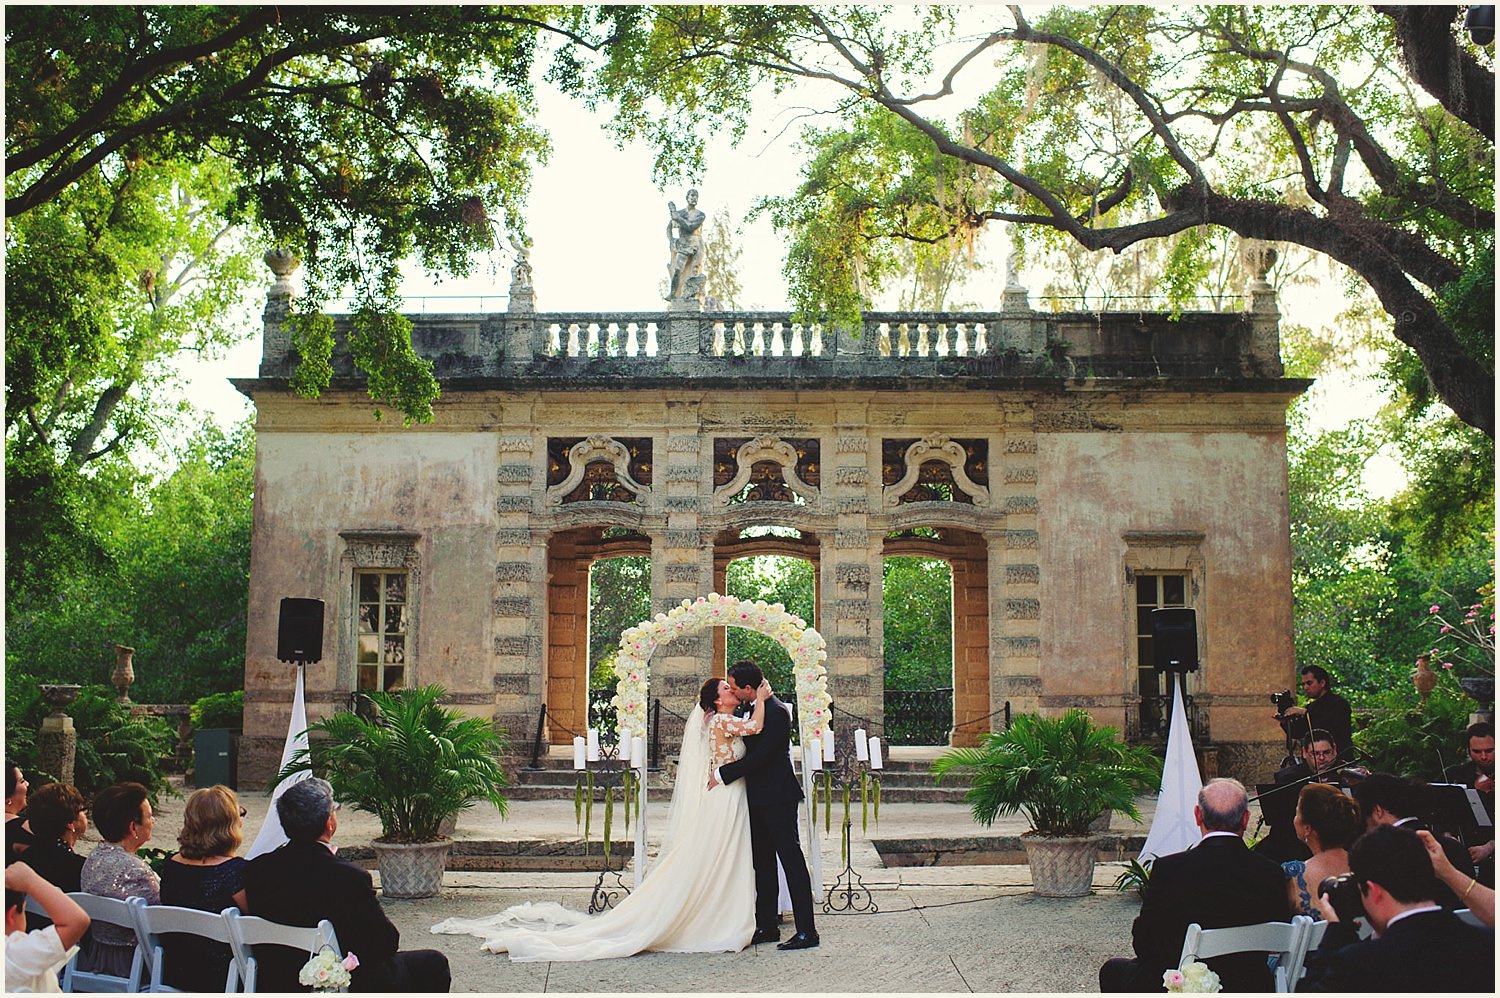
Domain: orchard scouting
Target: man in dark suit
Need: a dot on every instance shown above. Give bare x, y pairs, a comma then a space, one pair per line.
304, 882
1418, 947
1390, 800
1478, 773
1325, 710
1216, 883
772, 792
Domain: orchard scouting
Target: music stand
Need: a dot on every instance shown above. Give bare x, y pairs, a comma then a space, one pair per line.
1457, 809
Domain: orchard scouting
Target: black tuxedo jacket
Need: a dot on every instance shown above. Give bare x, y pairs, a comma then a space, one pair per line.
1217, 883
301, 883
767, 765
1429, 953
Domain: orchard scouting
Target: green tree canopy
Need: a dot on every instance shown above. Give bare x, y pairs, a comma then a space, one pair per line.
1363, 135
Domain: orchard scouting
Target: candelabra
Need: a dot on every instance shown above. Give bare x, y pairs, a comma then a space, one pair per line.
609, 768
855, 766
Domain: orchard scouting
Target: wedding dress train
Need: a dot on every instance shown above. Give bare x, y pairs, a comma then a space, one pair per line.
698, 897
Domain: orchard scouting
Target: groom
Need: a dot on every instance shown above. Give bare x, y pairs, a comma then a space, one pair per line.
772, 792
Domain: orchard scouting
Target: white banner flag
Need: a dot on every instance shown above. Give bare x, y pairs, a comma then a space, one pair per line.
1173, 828
271, 836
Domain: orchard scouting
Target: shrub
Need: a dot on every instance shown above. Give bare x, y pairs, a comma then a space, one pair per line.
219, 710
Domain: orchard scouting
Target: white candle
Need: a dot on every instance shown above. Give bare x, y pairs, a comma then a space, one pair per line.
638, 752
861, 745
828, 744
876, 762
814, 760
593, 745
578, 750
624, 744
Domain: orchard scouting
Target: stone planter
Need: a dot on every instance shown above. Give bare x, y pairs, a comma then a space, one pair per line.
1061, 867
411, 870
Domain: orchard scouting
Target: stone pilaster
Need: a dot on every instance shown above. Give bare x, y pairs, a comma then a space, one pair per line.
519, 624
1015, 571
850, 565
681, 560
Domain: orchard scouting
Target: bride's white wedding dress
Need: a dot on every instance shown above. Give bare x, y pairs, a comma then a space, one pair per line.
698, 897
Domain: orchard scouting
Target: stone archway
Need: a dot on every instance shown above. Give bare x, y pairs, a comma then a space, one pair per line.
966, 554
729, 546
570, 554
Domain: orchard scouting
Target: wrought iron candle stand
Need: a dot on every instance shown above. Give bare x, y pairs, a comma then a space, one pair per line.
848, 892
608, 773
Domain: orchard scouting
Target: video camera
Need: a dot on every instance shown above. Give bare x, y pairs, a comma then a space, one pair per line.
1283, 700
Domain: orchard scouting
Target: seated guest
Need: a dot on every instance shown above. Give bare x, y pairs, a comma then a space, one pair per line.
124, 818
1391, 800
1418, 947
1327, 821
205, 874
57, 820
1216, 883
17, 835
303, 882
33, 958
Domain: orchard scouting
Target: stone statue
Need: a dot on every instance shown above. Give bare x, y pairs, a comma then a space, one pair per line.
520, 273
685, 239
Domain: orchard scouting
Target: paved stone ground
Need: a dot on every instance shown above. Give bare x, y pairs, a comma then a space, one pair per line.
938, 928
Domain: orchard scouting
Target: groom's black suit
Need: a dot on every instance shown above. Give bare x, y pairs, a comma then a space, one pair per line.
772, 792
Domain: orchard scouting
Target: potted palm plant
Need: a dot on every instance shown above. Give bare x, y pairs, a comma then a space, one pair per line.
1062, 773
412, 763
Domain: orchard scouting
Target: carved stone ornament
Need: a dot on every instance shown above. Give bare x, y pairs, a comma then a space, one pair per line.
586, 452
936, 448
765, 448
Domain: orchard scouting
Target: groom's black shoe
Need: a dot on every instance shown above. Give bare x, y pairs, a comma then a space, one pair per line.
764, 936
802, 940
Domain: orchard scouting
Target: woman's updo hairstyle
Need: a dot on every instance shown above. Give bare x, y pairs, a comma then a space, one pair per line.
709, 695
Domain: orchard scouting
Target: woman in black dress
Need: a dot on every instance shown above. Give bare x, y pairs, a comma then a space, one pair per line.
56, 819
205, 874
17, 835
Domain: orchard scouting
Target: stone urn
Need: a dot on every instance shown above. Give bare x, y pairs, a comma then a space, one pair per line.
59, 695
1061, 866
410, 870
57, 742
124, 673
1423, 678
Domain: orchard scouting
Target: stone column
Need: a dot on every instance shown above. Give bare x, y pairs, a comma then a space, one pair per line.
850, 568
681, 563
1015, 572
520, 588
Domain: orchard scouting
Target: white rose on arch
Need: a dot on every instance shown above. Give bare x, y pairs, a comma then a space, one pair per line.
804, 644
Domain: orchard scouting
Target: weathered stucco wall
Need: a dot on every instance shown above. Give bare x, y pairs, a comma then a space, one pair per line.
1156, 476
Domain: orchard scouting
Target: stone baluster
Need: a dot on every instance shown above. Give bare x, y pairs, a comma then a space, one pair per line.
276, 338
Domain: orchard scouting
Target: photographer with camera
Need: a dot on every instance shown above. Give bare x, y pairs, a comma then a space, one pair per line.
1418, 947
1325, 710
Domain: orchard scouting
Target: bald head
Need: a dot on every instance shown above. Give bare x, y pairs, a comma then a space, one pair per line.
1223, 806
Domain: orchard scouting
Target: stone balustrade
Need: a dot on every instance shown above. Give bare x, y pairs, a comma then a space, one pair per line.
1015, 343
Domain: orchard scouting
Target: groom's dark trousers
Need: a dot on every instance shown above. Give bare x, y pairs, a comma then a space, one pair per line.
772, 793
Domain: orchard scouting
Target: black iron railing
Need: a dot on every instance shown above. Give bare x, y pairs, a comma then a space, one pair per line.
1148, 720
918, 717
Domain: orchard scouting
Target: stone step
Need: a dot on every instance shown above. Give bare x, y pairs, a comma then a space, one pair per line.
888, 794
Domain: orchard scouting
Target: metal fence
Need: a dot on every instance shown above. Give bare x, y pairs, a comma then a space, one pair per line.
918, 717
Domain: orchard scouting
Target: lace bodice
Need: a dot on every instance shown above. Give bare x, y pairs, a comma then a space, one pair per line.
723, 730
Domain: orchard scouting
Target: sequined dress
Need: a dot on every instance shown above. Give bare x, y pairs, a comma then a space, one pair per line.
111, 872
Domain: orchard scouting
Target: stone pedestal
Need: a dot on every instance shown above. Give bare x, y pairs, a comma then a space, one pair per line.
56, 745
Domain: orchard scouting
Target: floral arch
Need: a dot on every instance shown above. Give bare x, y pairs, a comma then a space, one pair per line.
805, 645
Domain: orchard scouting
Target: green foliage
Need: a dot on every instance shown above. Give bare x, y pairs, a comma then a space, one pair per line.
918, 597
1135, 876
219, 710
169, 576
112, 745
775, 579
1060, 772
1408, 738
380, 340
412, 765
619, 597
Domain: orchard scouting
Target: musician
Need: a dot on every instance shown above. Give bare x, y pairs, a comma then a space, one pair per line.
1325, 710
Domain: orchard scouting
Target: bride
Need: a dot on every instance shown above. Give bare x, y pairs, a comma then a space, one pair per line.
700, 895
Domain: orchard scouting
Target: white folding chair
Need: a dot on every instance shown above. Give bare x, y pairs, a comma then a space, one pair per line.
1281, 938
1289, 972
247, 932
153, 920
108, 911
1468, 916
